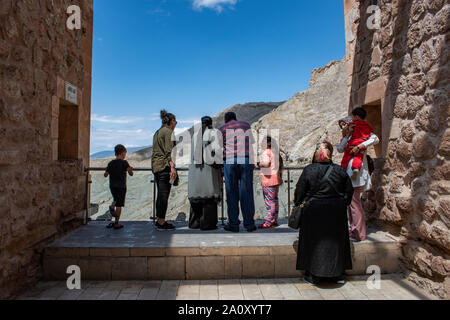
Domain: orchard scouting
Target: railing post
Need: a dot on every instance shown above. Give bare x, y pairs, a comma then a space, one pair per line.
154, 201
289, 191
88, 204
223, 204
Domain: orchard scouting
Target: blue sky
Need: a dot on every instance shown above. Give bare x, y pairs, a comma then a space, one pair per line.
197, 57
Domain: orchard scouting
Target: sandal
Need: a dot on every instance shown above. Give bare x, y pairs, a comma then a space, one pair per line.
109, 226
265, 226
117, 227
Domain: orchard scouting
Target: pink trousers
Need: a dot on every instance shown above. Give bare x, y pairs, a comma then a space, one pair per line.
357, 221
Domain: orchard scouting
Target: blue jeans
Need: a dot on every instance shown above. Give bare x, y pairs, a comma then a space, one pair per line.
239, 187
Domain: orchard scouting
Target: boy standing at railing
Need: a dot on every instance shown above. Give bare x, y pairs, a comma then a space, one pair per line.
117, 171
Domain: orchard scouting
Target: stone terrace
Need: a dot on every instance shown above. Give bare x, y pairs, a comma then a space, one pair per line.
139, 252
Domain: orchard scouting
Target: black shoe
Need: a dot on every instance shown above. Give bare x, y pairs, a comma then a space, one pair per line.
253, 229
341, 279
310, 279
230, 229
165, 227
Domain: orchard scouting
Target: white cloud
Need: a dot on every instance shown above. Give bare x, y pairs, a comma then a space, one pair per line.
179, 130
119, 120
217, 5
108, 131
188, 121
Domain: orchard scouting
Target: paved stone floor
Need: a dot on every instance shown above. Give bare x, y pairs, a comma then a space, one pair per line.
393, 287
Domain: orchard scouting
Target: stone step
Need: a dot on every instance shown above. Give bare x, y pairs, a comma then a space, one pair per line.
139, 252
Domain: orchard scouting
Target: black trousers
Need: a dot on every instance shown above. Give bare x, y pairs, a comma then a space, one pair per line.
203, 214
163, 185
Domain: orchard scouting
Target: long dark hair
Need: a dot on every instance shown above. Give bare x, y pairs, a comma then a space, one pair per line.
166, 117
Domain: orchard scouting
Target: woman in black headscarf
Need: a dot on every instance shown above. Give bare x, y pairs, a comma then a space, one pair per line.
205, 177
324, 243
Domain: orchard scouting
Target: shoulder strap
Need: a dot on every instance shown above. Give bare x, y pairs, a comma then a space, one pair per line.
324, 178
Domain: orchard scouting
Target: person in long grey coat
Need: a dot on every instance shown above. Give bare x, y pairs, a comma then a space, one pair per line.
205, 177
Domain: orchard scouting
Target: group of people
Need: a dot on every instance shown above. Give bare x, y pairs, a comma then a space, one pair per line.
205, 178
331, 193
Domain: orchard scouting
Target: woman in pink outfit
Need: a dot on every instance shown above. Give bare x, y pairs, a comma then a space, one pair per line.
271, 180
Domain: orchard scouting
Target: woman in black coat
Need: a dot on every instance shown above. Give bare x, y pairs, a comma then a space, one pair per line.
324, 243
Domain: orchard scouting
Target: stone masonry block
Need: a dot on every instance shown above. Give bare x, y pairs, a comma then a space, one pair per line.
388, 261
55, 268
166, 268
129, 268
258, 266
282, 250
219, 251
233, 267
358, 264
205, 268
147, 252
183, 252
109, 252
285, 266
93, 268
66, 252
254, 251
373, 247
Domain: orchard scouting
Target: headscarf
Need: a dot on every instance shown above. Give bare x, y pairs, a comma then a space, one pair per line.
199, 143
206, 123
347, 120
323, 152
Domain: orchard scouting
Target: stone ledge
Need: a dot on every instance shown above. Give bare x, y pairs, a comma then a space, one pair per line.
201, 267
136, 256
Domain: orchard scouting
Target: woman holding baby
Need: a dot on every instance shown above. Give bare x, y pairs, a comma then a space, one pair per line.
358, 135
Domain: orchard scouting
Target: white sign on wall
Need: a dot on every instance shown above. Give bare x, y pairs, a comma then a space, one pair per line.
71, 93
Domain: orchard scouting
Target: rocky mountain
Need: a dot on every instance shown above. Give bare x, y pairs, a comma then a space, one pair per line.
311, 116
249, 112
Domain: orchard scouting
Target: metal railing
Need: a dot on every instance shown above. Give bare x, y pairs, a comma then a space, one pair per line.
87, 170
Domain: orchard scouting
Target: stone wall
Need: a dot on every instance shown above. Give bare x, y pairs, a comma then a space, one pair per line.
42, 194
403, 67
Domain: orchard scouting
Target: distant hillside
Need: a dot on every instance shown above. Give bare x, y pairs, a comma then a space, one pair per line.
249, 112
110, 153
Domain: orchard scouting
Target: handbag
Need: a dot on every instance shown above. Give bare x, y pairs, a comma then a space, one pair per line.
298, 211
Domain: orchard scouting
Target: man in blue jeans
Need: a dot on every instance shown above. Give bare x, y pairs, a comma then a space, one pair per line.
238, 171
